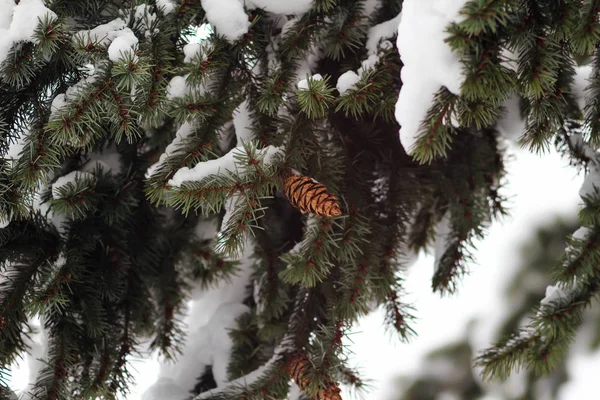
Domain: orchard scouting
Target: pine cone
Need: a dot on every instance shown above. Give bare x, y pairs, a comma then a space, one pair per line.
310, 196
298, 369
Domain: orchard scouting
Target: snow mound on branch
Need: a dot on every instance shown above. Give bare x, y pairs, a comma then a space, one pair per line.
287, 7
249, 378
191, 50
228, 17
18, 22
6, 16
346, 81
182, 134
205, 169
144, 16
349, 79
380, 32
368, 64
71, 177
177, 87
303, 84
429, 63
123, 46
553, 294
115, 34
288, 26
581, 233
59, 102
295, 392
103, 34
166, 6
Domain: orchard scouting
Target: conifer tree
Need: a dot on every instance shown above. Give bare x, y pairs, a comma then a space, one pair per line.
282, 161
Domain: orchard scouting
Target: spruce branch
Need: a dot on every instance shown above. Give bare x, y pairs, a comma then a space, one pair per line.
310, 261
20, 65
545, 340
345, 32
316, 99
483, 17
79, 123
435, 137
592, 107
588, 29
78, 198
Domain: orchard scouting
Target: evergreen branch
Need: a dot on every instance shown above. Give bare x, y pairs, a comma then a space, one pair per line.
246, 173
21, 265
351, 378
450, 266
398, 314
571, 143
537, 73
422, 231
316, 99
507, 356
76, 126
483, 17
205, 267
580, 260
271, 93
368, 93
21, 71
548, 111
103, 371
345, 32
592, 104
269, 378
587, 32
125, 118
194, 151
435, 138
40, 156
77, 199
309, 262
51, 383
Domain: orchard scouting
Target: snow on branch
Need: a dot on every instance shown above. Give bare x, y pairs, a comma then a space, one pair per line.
229, 162
18, 22
429, 62
228, 17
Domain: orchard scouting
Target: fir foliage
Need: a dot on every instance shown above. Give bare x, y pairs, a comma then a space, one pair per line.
118, 249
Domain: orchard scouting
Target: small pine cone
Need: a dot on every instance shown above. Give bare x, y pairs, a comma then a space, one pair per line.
310, 196
298, 366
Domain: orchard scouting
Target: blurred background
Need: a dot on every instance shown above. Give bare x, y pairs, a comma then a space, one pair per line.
512, 269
